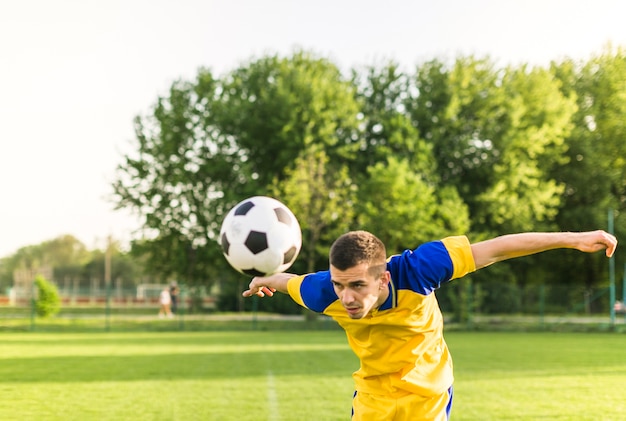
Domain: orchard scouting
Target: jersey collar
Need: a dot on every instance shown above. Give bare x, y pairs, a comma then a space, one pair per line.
392, 299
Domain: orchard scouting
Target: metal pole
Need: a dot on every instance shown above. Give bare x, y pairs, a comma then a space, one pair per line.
255, 309
542, 303
33, 303
468, 303
181, 307
107, 282
612, 273
624, 291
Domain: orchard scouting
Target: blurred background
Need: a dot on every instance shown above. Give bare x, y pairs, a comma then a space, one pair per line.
129, 129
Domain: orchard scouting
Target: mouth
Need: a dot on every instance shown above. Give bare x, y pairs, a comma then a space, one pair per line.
353, 310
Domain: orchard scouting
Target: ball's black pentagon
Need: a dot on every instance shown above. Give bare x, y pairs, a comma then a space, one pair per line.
283, 216
225, 244
289, 255
253, 272
244, 208
256, 242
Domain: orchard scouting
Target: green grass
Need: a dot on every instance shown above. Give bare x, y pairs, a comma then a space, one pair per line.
92, 320
295, 375
175, 376
537, 376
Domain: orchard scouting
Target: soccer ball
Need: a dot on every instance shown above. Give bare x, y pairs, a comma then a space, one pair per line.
260, 236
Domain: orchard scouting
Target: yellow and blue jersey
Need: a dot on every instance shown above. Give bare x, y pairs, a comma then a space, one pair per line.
400, 344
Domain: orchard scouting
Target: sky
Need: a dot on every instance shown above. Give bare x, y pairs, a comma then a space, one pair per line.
75, 73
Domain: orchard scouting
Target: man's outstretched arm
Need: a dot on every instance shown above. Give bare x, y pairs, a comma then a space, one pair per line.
263, 286
524, 244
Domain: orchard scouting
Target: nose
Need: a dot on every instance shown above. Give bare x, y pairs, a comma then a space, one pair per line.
346, 296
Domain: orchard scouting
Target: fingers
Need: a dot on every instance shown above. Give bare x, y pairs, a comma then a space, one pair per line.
263, 291
610, 248
268, 291
260, 291
608, 242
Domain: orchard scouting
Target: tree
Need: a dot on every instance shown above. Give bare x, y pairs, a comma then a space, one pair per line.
404, 210
322, 196
211, 143
388, 129
64, 254
181, 167
522, 196
275, 108
126, 269
63, 251
595, 175
401, 198
411, 157
458, 111
496, 135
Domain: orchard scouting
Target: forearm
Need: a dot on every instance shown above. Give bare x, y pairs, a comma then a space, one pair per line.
277, 282
524, 244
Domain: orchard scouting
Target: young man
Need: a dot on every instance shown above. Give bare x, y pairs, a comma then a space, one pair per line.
391, 316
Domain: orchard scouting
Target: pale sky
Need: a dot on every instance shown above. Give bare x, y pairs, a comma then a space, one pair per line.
74, 74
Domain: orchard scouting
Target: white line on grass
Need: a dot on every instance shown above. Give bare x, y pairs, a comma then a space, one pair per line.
272, 398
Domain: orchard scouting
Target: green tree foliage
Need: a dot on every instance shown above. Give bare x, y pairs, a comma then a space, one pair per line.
595, 175
213, 143
401, 190
64, 254
48, 302
124, 268
275, 108
496, 134
399, 201
323, 196
176, 178
388, 129
522, 195
410, 156
70, 260
63, 251
457, 111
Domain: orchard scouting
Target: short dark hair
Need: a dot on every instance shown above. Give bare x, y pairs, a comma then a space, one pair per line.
356, 247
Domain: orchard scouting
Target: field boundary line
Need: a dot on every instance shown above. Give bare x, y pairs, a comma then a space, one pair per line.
272, 398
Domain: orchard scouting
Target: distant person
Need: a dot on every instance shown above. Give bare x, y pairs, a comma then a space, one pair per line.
388, 309
165, 302
174, 291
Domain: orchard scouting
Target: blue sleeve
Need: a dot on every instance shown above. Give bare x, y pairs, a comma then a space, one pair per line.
422, 270
317, 291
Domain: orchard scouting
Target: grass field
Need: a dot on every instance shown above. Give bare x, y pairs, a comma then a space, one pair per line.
295, 375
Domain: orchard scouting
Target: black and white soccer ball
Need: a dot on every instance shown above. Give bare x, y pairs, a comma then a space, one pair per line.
260, 236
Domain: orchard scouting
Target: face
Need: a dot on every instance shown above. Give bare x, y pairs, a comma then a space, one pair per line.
359, 291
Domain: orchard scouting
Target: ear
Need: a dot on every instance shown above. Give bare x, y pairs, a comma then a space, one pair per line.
385, 278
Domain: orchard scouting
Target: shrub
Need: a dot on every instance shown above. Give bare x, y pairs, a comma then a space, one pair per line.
47, 302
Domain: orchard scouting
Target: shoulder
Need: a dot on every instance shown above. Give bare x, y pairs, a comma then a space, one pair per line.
428, 266
315, 290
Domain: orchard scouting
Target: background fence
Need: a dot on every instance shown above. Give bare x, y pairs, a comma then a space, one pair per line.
463, 304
